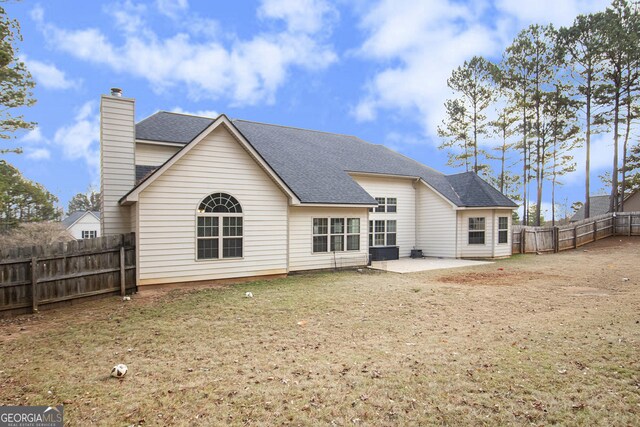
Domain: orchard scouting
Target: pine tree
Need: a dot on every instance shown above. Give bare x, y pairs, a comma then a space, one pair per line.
15, 81
89, 201
466, 121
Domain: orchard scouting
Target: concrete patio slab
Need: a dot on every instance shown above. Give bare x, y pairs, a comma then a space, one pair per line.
413, 265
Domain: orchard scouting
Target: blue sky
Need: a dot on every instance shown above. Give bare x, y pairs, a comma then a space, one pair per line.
374, 69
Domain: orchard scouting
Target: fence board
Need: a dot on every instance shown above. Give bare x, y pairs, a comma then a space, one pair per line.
549, 239
40, 275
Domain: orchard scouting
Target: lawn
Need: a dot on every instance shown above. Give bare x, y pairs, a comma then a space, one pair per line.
534, 340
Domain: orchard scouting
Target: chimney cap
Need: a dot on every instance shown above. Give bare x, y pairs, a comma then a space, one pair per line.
116, 91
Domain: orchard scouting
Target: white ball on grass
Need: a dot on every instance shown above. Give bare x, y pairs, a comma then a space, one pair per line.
119, 371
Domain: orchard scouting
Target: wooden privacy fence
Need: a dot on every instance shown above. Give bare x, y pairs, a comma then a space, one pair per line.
571, 236
43, 275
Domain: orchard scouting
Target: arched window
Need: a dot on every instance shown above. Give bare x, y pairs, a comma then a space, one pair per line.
219, 227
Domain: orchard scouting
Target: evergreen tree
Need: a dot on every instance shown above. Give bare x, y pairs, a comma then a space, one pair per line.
22, 200
474, 87
15, 81
581, 47
89, 201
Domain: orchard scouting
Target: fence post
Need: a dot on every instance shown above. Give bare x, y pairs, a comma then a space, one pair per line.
595, 230
629, 217
523, 245
34, 283
575, 237
556, 240
123, 285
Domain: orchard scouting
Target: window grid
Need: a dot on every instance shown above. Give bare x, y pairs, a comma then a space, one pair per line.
89, 234
503, 229
386, 204
476, 231
219, 235
383, 233
331, 234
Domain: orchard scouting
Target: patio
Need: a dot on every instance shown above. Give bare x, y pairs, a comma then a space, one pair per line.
413, 265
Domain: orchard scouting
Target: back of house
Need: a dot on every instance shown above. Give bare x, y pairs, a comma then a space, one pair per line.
215, 198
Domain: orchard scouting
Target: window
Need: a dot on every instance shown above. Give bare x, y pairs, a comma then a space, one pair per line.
389, 204
382, 233
503, 229
353, 234
334, 234
89, 234
392, 204
218, 211
476, 231
337, 234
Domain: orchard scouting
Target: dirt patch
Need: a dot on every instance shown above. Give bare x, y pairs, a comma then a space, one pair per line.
499, 278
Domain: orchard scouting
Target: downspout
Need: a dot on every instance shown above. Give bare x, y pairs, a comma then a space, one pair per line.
416, 214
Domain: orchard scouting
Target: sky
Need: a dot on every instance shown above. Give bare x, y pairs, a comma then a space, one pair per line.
374, 69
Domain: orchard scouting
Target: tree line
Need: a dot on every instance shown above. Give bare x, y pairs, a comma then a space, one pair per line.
552, 90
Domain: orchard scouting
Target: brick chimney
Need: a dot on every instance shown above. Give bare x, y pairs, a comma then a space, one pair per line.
117, 160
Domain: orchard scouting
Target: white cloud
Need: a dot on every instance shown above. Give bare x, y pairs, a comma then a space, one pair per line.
38, 153
549, 11
248, 72
48, 75
422, 42
34, 137
80, 140
307, 16
172, 8
202, 113
418, 44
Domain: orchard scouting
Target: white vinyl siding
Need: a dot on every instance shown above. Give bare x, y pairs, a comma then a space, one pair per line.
117, 172
167, 233
301, 255
152, 154
402, 190
88, 223
490, 248
436, 224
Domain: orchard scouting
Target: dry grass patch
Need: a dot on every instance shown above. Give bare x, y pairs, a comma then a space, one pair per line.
348, 349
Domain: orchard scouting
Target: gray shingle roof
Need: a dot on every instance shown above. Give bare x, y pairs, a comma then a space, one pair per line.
74, 216
171, 127
598, 205
315, 165
142, 171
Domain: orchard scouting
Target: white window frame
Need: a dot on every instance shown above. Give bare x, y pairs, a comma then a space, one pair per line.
384, 205
376, 232
89, 234
477, 230
329, 235
503, 230
220, 216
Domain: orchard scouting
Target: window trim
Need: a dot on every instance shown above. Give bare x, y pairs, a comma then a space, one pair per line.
221, 238
383, 205
506, 230
373, 233
89, 234
345, 234
483, 231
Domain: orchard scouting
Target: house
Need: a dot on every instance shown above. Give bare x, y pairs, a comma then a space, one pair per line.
599, 205
215, 198
83, 224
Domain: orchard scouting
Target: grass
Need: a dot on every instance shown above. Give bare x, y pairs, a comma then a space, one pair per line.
555, 341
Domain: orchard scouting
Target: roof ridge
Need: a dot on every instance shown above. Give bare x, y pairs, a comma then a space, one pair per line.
186, 114
299, 128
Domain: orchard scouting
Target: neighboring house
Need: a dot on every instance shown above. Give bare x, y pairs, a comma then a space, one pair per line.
214, 198
83, 224
599, 205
